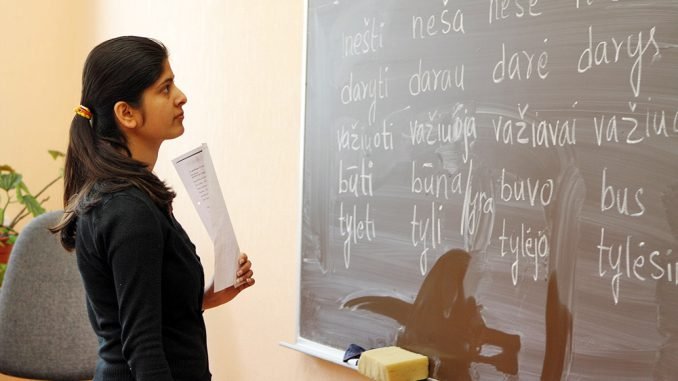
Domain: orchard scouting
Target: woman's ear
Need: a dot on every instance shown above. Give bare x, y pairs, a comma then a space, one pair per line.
127, 116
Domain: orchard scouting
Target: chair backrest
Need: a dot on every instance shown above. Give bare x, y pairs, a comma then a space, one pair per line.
44, 329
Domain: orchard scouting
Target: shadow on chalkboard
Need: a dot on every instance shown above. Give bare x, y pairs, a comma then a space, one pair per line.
448, 327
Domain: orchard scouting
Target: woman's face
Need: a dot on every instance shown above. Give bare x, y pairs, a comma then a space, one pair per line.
161, 109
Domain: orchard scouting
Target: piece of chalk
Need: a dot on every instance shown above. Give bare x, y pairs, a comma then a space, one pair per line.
393, 364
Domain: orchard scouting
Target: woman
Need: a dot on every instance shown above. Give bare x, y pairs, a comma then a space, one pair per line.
144, 282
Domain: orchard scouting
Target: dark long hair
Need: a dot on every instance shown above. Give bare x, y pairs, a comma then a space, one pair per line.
98, 160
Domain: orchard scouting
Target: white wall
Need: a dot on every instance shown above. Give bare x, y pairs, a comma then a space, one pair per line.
239, 62
42, 47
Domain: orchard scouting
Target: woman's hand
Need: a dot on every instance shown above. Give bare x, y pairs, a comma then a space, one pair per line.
244, 280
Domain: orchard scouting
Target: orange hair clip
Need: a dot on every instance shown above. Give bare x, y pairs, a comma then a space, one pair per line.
83, 112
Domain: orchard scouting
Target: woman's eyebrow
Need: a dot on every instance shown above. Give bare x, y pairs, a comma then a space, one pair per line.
167, 80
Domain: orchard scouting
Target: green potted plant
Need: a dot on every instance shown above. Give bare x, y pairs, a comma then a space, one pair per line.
16, 192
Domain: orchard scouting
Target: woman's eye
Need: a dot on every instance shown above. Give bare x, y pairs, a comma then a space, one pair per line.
166, 90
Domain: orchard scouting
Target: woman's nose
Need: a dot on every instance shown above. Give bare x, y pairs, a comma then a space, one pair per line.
181, 99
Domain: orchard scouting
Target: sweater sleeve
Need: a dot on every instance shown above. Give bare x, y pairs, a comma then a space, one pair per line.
133, 242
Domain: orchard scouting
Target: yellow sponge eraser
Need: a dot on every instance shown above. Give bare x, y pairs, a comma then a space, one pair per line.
393, 364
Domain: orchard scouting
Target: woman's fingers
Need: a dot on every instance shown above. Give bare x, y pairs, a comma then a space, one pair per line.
244, 268
242, 259
245, 272
247, 275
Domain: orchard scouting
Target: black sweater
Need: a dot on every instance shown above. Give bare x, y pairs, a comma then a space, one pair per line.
144, 286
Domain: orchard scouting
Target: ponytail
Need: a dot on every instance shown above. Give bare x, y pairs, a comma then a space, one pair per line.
81, 136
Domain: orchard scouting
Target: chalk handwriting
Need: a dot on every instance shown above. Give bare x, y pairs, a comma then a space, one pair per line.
623, 261
354, 229
535, 192
535, 132
442, 23
520, 65
618, 199
433, 79
350, 138
503, 9
427, 232
370, 90
368, 40
476, 204
356, 180
633, 128
439, 185
437, 130
609, 52
530, 244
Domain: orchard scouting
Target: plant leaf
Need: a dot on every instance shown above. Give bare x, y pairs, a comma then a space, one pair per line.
2, 216
56, 154
21, 188
10, 180
3, 268
32, 205
5, 181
